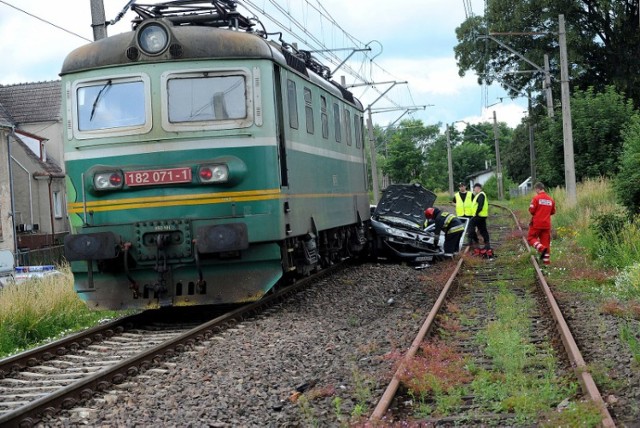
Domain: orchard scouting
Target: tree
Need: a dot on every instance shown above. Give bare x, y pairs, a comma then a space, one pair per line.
598, 120
516, 156
468, 158
602, 38
406, 150
435, 174
626, 182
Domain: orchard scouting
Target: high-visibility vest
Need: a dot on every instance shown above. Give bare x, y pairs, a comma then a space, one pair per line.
464, 208
484, 211
448, 218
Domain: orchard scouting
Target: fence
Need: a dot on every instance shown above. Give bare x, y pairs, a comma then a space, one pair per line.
43, 256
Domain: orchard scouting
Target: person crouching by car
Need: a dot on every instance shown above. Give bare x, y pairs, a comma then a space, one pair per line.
451, 225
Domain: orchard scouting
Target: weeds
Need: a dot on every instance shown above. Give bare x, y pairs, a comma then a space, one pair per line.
42, 309
522, 381
629, 335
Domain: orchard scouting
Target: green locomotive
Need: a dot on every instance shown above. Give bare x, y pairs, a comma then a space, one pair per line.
204, 162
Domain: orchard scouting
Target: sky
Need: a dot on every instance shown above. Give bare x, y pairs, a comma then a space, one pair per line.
410, 41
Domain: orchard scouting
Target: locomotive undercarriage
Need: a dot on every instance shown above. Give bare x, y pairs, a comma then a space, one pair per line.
309, 253
166, 266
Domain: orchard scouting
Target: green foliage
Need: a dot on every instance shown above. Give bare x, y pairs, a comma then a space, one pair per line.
608, 224
41, 309
491, 187
602, 37
598, 119
627, 283
405, 150
630, 335
469, 158
434, 175
626, 182
511, 385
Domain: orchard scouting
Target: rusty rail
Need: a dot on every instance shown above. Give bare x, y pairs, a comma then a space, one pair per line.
589, 387
587, 383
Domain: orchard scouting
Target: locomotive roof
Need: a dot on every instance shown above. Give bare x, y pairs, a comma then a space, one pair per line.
196, 42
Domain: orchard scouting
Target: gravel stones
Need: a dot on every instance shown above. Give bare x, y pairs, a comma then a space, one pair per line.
319, 359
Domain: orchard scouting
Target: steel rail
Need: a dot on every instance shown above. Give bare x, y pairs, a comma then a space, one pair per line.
30, 414
589, 387
392, 388
81, 339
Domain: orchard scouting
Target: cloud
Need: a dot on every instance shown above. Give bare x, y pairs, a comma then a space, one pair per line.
510, 112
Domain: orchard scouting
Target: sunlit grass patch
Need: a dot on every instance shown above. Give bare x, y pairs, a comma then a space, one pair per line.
40, 309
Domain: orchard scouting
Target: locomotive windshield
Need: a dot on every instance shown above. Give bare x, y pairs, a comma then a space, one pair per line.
110, 104
197, 99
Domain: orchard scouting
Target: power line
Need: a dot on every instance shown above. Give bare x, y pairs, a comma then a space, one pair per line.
44, 20
313, 41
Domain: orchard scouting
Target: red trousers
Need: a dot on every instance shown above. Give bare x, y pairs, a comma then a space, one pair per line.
540, 239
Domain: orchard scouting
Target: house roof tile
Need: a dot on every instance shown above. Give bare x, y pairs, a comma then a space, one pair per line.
31, 102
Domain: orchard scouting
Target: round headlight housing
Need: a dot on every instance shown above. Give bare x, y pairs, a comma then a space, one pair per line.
108, 180
153, 39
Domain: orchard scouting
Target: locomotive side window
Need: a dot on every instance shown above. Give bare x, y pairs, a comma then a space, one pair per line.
292, 103
357, 126
110, 104
324, 118
308, 109
336, 120
206, 98
347, 124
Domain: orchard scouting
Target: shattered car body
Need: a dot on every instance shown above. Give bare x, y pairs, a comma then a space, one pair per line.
398, 225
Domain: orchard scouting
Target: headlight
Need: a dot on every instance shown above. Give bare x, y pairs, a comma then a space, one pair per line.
153, 39
213, 173
108, 180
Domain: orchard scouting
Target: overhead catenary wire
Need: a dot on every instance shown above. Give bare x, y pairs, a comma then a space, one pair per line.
44, 20
296, 29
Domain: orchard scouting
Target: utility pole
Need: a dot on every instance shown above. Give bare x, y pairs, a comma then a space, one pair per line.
567, 128
498, 165
374, 162
372, 144
532, 146
98, 20
547, 86
449, 161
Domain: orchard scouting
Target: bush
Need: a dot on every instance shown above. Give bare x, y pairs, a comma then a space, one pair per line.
627, 283
609, 224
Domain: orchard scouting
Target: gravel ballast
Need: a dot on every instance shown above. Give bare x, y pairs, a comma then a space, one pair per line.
319, 358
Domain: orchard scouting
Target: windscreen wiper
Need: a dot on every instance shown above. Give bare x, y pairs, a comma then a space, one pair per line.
95, 103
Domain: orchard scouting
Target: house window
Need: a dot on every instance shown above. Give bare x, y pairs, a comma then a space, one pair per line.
292, 102
57, 204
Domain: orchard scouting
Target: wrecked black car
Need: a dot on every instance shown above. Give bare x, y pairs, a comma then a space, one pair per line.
398, 225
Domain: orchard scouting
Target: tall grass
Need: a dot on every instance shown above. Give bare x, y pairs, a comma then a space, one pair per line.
593, 196
39, 309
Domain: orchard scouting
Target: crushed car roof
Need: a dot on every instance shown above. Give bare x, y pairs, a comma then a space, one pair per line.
406, 201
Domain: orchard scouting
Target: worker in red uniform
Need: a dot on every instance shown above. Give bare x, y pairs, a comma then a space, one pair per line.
542, 207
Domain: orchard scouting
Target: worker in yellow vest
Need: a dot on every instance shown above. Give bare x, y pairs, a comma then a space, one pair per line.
463, 201
480, 214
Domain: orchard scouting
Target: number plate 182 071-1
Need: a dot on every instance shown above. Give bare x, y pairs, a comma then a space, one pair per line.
157, 176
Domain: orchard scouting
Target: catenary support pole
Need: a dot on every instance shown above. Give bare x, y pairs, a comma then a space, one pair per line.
567, 128
498, 164
98, 20
449, 161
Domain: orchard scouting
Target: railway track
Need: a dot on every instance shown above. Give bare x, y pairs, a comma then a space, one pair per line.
496, 323
39, 383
